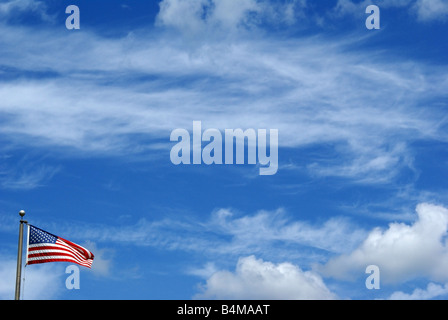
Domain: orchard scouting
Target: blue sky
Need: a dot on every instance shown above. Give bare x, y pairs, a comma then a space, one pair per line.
85, 123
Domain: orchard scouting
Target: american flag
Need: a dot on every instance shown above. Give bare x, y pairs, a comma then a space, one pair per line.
46, 247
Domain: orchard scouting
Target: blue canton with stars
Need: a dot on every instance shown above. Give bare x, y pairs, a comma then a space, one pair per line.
39, 236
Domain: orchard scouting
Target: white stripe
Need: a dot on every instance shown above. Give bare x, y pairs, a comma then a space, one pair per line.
60, 257
84, 262
72, 254
62, 243
71, 249
55, 254
63, 246
49, 251
62, 249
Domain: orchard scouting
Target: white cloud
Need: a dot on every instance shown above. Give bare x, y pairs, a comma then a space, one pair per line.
269, 234
334, 235
102, 261
432, 291
315, 91
402, 252
424, 10
182, 14
428, 10
312, 84
7, 279
26, 175
211, 17
199, 16
262, 280
40, 282
358, 8
11, 8
206, 271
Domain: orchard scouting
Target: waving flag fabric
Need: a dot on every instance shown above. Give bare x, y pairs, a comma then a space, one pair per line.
46, 247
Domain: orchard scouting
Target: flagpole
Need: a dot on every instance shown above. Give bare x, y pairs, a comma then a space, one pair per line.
19, 255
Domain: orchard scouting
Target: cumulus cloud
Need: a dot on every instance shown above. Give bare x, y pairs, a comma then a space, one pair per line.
200, 15
402, 252
228, 16
257, 279
432, 291
40, 282
7, 279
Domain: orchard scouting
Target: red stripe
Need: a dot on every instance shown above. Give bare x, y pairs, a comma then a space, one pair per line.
86, 264
64, 244
69, 255
54, 251
51, 255
85, 252
56, 247
45, 254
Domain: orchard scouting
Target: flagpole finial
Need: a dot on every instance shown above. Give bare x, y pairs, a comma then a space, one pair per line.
22, 213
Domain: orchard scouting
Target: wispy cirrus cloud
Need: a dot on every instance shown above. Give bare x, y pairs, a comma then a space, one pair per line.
25, 174
428, 10
225, 234
311, 89
422, 10
123, 95
14, 9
